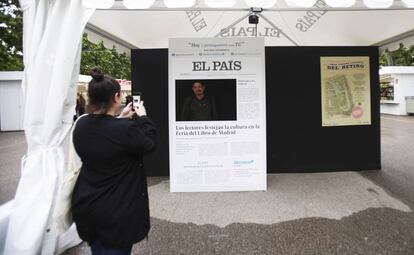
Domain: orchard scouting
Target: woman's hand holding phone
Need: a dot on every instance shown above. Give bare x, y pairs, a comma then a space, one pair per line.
140, 109
127, 112
131, 109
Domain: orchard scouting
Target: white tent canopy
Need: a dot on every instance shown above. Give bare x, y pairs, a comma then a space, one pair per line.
320, 25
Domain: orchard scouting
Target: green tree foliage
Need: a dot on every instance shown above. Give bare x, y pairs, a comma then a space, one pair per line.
383, 60
112, 63
11, 31
404, 56
11, 47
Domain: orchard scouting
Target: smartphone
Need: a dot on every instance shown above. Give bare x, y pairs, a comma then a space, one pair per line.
136, 99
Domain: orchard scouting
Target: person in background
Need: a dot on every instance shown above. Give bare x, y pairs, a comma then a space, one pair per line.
81, 105
110, 198
199, 106
128, 99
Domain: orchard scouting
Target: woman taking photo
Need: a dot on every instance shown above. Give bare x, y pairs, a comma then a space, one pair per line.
110, 198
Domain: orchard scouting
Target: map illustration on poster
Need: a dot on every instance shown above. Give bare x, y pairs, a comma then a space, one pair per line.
217, 114
345, 88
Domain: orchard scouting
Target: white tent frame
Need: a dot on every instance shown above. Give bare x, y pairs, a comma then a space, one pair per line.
358, 6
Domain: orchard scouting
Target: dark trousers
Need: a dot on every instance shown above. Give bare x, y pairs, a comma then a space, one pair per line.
98, 249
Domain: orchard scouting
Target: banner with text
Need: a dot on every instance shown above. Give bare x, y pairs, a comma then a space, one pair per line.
217, 114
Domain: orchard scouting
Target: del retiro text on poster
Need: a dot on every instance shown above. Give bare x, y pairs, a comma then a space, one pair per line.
217, 114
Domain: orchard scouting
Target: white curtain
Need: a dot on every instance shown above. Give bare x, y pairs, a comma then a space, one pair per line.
52, 42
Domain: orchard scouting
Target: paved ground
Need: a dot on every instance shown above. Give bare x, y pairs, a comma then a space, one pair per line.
12, 148
397, 141
328, 213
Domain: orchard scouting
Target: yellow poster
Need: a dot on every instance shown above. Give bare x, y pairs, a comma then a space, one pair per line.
346, 91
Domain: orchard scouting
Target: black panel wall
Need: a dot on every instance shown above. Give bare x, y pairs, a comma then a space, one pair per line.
296, 140
150, 77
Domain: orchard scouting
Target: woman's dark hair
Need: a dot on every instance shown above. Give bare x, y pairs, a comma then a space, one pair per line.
101, 91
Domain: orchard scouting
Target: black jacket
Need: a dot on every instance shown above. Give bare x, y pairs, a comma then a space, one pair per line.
110, 198
199, 110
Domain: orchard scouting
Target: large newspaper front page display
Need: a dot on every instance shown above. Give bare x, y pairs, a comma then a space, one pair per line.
217, 114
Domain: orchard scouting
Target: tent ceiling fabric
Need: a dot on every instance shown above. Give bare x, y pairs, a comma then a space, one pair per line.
106, 4
220, 3
340, 3
103, 4
142, 4
409, 3
319, 27
378, 3
179, 3
300, 3
260, 3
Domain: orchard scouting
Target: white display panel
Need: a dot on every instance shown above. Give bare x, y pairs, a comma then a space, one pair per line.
217, 114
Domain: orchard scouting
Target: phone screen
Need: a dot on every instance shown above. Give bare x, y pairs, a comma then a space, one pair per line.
136, 99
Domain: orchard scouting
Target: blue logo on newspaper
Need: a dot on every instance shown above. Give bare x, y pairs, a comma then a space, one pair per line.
243, 162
